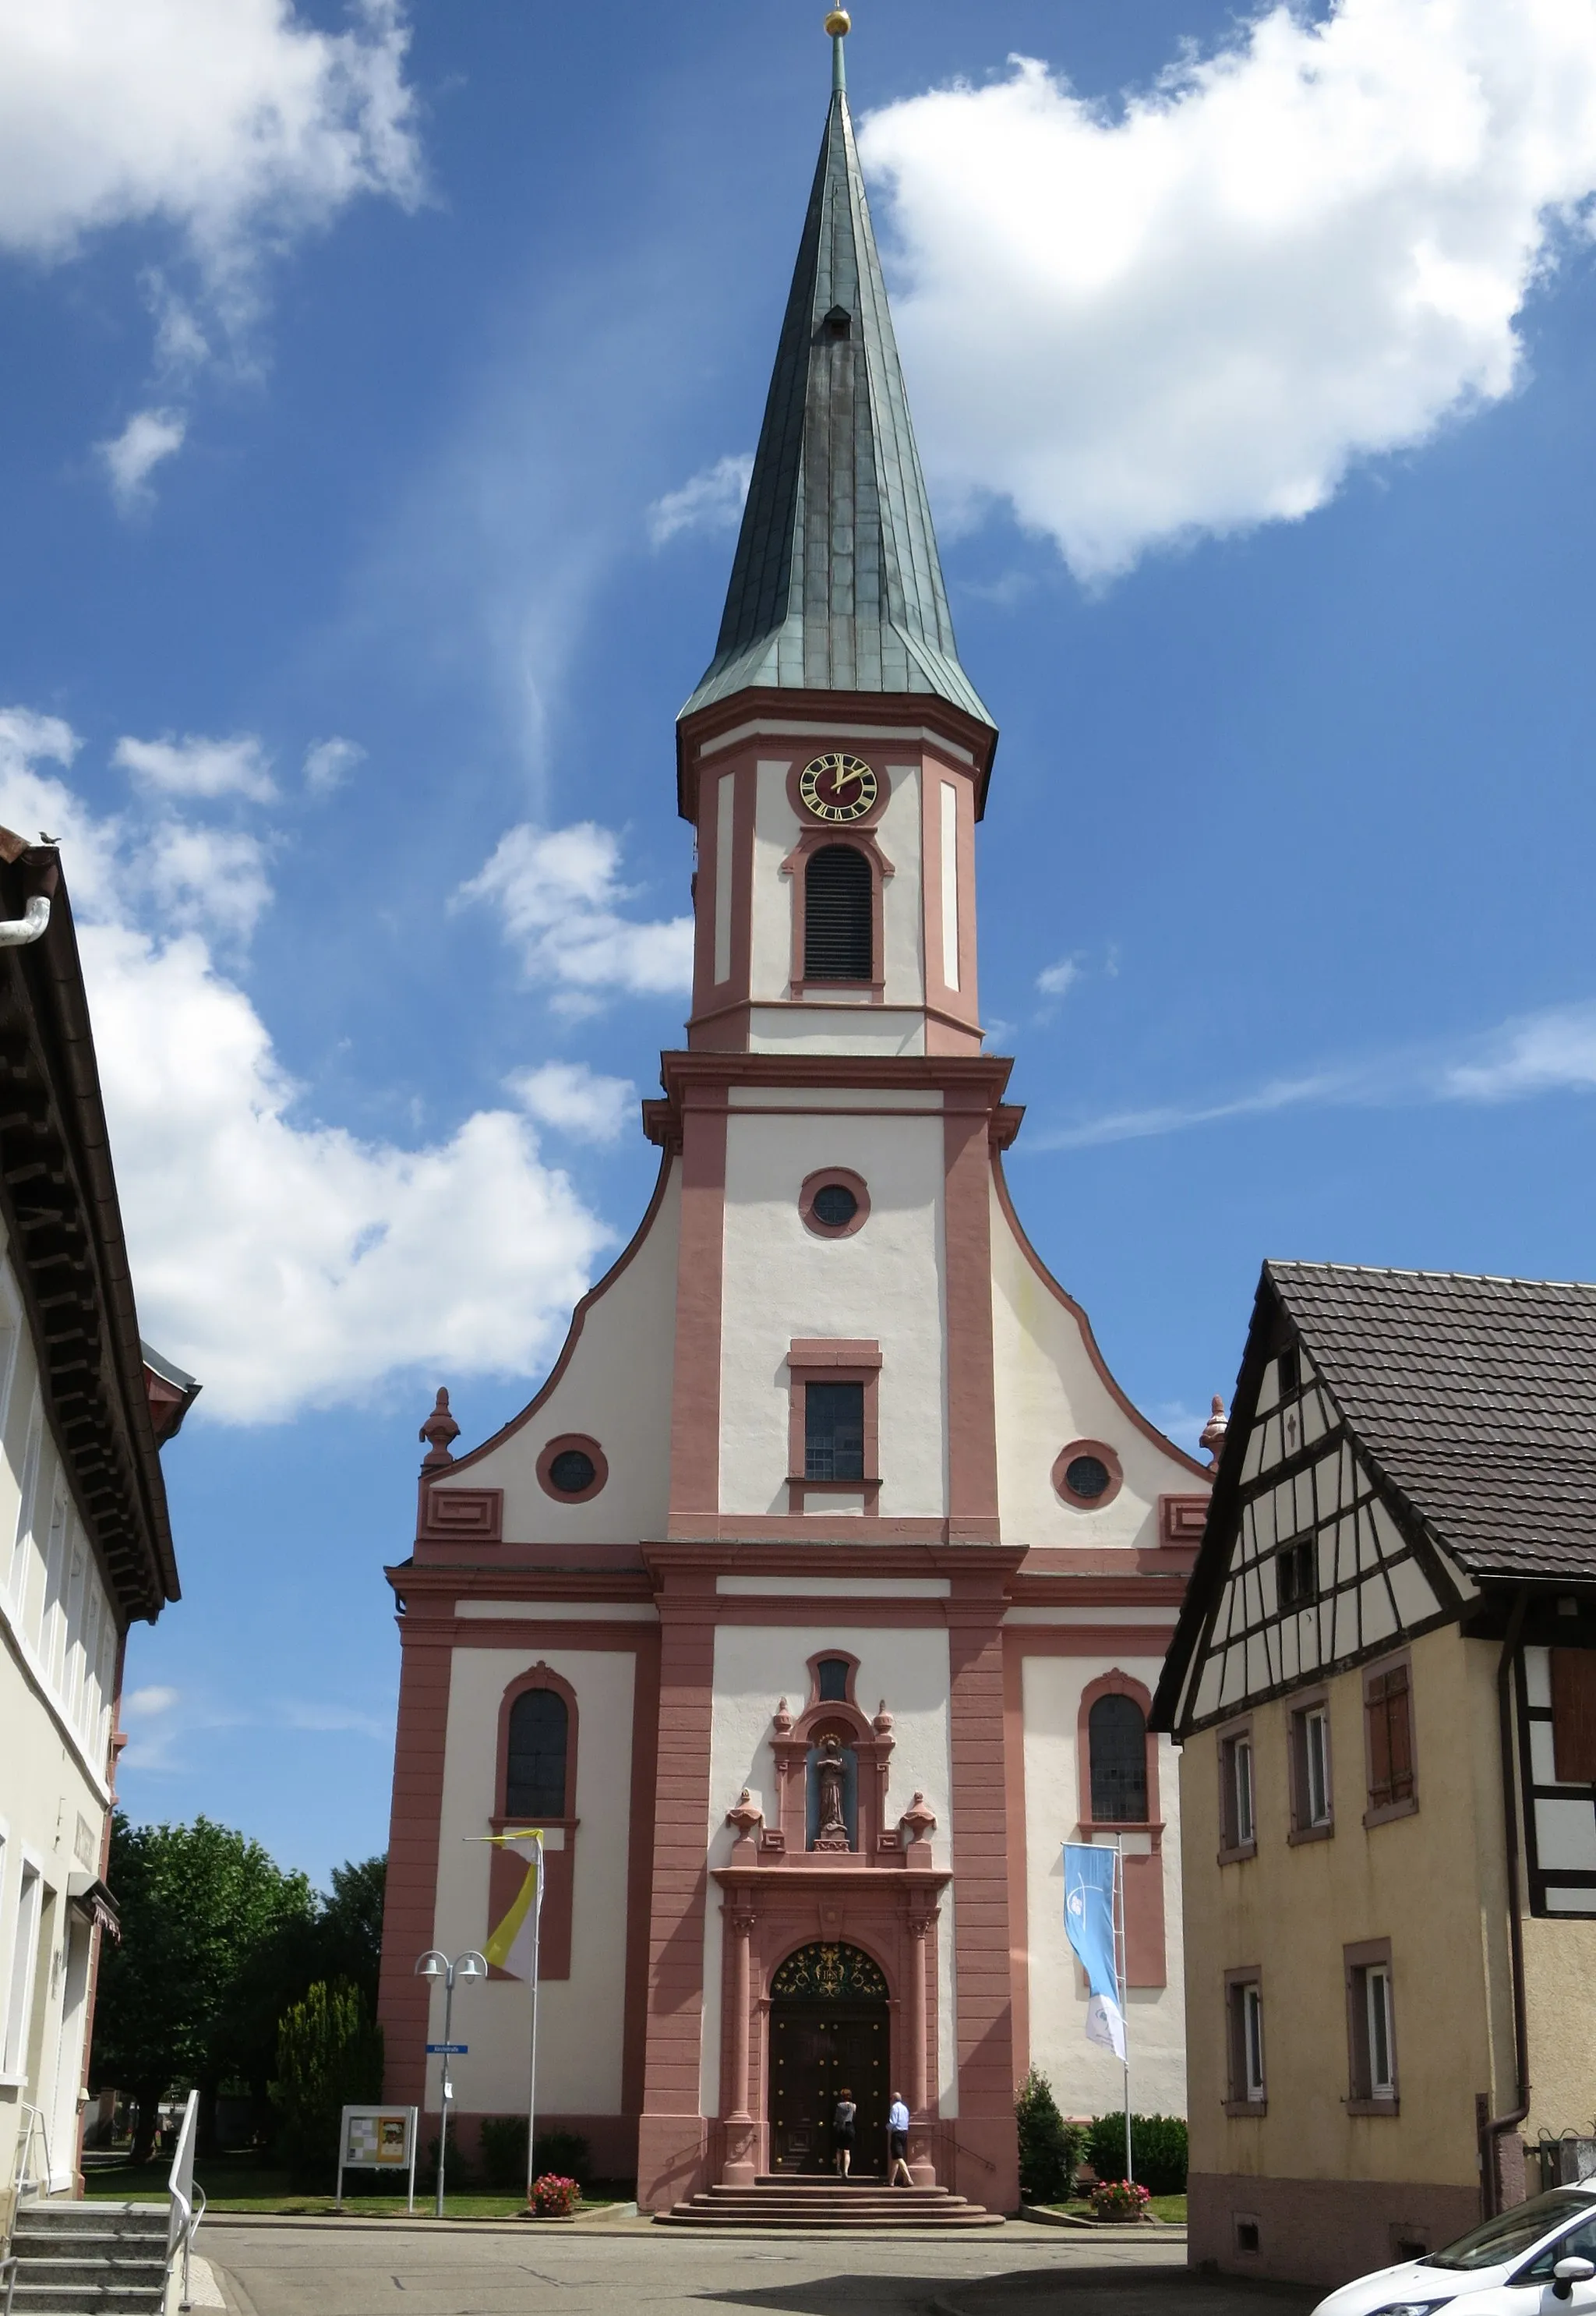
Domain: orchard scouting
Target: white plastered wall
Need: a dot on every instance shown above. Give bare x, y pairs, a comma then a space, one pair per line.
1085, 2079
757, 1664
617, 1389
580, 2020
1050, 1393
882, 1284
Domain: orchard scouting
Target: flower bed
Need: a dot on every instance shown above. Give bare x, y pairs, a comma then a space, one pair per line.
554, 2197
1119, 2199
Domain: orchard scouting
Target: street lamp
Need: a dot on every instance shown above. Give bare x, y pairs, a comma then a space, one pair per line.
466, 1966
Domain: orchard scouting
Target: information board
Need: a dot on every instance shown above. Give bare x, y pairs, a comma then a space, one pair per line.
378, 2139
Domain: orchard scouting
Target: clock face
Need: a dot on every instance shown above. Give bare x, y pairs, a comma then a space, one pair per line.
837, 787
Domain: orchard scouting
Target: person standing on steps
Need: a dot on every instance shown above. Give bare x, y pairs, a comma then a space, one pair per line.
898, 2142
842, 2132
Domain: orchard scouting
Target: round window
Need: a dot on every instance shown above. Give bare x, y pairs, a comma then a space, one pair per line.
835, 1205
1088, 1476
572, 1472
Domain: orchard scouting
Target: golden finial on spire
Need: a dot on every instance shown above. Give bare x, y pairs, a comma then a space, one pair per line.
840, 24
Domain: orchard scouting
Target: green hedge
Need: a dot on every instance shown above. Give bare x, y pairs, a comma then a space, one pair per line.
1158, 2151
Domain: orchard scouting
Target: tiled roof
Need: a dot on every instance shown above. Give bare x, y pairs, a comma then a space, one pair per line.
836, 586
1476, 1397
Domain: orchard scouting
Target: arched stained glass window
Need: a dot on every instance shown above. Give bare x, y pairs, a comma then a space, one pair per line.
1116, 1734
535, 1774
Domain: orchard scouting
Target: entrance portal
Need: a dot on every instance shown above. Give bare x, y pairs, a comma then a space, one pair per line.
830, 2031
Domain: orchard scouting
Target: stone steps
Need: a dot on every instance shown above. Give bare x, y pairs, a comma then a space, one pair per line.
90, 2259
779, 2203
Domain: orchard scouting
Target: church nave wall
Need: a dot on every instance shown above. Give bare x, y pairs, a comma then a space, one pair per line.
581, 2018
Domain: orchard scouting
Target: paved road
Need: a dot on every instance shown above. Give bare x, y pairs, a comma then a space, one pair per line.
640, 2271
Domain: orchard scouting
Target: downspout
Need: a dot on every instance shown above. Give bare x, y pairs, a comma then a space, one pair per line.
16, 932
1495, 2128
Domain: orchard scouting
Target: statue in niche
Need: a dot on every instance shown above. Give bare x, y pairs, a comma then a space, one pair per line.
832, 1831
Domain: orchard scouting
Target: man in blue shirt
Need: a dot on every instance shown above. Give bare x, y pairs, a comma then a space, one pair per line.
897, 2140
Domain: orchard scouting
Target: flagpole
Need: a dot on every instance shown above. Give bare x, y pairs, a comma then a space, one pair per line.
1120, 1958
532, 2078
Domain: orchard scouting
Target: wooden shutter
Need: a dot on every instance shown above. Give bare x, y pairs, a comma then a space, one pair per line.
1574, 1715
838, 915
1379, 1743
1399, 1723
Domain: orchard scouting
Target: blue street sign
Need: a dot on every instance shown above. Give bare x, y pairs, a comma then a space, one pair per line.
448, 2049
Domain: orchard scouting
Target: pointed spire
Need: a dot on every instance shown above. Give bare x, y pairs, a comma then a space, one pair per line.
837, 584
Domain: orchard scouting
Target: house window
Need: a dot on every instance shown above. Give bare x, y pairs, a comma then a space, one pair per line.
1372, 2028
535, 1771
1296, 1574
1388, 1715
1311, 1771
1574, 1715
1243, 2000
1117, 1737
838, 915
834, 1431
19, 2003
1238, 1824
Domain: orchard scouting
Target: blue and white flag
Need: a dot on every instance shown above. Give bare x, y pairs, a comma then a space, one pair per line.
1089, 1926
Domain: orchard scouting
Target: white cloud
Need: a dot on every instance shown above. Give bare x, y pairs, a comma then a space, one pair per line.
285, 1261
1058, 980
153, 1700
1307, 249
208, 877
196, 767
1553, 1052
713, 499
1550, 1052
559, 894
328, 763
224, 118
570, 1096
131, 457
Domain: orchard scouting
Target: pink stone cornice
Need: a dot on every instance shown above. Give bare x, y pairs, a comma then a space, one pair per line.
967, 1082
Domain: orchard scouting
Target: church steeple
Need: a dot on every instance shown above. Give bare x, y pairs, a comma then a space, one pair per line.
837, 584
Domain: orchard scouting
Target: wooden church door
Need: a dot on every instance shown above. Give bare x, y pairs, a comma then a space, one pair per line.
830, 2031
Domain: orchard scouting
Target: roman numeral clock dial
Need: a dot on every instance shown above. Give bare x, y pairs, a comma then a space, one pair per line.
837, 787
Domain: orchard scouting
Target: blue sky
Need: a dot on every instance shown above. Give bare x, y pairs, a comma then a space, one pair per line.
374, 391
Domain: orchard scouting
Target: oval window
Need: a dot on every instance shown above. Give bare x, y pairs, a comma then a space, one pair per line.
835, 1205
572, 1472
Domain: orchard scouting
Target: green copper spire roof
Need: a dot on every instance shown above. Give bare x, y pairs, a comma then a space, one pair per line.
836, 586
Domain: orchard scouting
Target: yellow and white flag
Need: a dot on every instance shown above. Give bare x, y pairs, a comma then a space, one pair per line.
512, 1945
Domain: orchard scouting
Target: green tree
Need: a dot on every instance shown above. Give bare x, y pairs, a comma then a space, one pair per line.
1158, 2151
329, 2056
1050, 2148
197, 1904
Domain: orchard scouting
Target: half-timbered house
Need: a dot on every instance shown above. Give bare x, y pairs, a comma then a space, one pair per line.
1383, 1685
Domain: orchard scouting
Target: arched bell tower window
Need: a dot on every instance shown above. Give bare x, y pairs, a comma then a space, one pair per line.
1117, 1739
838, 915
535, 1767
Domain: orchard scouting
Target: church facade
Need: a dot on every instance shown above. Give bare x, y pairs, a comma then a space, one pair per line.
818, 1596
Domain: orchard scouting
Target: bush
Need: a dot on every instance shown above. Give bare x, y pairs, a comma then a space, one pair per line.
329, 2056
553, 2197
565, 2151
1050, 2148
1119, 2199
504, 2145
1158, 2151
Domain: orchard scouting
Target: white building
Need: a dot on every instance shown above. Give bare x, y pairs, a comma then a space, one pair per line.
85, 1548
819, 1595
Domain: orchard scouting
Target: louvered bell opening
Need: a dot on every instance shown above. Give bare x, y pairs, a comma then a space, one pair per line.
837, 915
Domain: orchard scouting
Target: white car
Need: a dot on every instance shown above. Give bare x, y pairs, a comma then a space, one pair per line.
1539, 2260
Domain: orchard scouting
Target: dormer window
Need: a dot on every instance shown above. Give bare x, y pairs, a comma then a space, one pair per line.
839, 323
